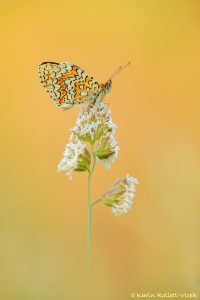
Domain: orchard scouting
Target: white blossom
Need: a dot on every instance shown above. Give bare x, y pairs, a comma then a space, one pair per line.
75, 158
93, 122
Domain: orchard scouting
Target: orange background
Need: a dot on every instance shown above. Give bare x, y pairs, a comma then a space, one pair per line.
155, 103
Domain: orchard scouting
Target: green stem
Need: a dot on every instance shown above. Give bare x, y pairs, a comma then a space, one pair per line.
95, 202
89, 214
89, 203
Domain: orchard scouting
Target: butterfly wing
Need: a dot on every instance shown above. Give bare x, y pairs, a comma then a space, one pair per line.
67, 84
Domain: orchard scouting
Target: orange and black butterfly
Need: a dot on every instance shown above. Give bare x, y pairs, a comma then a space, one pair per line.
68, 85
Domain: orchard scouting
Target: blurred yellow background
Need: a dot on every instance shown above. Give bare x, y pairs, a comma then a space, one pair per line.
155, 103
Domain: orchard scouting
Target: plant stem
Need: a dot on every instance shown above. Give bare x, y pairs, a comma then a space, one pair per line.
89, 203
89, 214
95, 202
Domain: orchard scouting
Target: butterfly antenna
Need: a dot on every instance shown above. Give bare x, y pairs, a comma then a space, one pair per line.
119, 70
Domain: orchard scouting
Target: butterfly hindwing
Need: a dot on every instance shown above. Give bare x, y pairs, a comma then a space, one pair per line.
67, 84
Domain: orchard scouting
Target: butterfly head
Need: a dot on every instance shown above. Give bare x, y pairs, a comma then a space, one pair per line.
106, 87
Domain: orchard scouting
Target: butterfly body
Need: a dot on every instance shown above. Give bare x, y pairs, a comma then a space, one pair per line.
68, 85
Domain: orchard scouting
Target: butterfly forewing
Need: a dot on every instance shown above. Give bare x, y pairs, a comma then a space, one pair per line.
67, 84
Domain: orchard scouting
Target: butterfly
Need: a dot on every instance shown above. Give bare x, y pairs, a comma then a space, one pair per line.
68, 85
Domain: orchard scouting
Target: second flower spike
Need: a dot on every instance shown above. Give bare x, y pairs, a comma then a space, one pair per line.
120, 196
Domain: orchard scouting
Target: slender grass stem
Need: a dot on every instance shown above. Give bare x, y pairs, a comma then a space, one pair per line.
89, 213
89, 204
